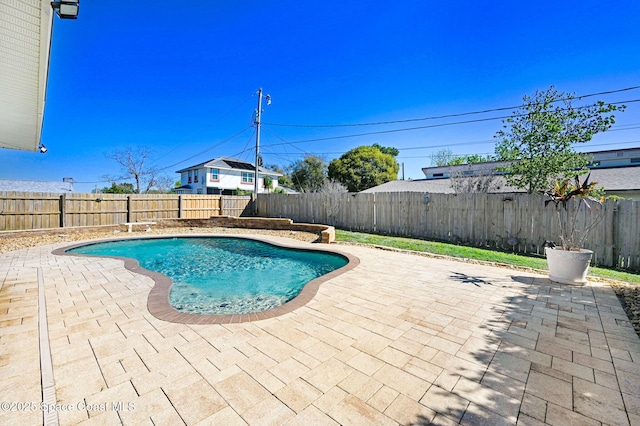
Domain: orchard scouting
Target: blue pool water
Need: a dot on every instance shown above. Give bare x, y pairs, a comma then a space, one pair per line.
224, 275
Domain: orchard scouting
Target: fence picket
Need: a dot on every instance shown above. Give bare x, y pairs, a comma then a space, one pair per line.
515, 222
20, 211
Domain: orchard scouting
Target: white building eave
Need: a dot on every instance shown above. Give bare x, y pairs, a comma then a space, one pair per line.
25, 45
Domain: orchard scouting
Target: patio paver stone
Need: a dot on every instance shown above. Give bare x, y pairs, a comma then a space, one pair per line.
399, 339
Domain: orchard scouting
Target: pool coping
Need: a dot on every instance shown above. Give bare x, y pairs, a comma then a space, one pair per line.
158, 303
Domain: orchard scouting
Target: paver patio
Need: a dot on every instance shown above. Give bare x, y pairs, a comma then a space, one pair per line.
400, 339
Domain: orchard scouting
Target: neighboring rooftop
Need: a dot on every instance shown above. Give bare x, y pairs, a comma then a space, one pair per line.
618, 178
439, 186
36, 186
621, 181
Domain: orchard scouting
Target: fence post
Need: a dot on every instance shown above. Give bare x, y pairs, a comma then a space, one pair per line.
374, 214
129, 208
611, 247
180, 206
63, 202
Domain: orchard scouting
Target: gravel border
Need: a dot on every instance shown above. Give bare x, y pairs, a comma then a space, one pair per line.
18, 242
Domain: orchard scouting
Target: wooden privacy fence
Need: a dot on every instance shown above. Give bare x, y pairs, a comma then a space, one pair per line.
516, 222
23, 210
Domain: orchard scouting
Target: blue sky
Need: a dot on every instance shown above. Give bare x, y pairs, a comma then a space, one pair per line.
181, 77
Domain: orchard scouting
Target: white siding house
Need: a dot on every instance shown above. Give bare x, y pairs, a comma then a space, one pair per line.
627, 157
223, 176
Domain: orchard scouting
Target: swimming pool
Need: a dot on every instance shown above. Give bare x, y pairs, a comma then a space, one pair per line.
223, 275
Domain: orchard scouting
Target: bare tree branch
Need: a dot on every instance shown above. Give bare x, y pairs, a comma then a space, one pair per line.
482, 179
134, 165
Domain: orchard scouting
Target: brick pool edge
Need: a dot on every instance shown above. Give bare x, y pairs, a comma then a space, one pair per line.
158, 303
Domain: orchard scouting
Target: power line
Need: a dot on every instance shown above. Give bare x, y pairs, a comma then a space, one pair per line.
321, 154
448, 144
293, 144
407, 129
207, 150
245, 149
491, 153
179, 145
285, 141
98, 181
186, 159
613, 143
628, 127
379, 123
388, 131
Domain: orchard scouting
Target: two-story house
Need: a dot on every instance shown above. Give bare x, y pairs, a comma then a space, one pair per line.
224, 176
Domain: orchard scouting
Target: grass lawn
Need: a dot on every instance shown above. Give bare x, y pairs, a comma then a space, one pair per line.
471, 253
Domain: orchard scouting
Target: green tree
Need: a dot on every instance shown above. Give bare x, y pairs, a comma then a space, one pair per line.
268, 183
118, 188
538, 139
387, 149
283, 180
242, 192
309, 175
477, 158
363, 167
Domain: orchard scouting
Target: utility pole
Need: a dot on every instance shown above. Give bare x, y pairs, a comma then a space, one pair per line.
257, 123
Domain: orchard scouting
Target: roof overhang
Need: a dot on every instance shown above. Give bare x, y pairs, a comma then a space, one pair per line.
25, 45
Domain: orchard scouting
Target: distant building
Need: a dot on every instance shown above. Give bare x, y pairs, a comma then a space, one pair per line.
65, 186
224, 176
617, 171
601, 159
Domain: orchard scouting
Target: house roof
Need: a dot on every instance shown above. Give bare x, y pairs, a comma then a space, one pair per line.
612, 179
617, 178
228, 163
440, 186
35, 186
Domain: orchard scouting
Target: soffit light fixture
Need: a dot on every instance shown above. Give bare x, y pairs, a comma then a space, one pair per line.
66, 9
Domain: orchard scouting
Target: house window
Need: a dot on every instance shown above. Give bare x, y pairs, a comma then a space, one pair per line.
214, 175
189, 178
635, 160
195, 176
247, 177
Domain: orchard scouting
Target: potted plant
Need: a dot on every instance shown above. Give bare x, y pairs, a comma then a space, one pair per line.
578, 211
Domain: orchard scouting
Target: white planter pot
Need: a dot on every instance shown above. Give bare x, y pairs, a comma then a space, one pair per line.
568, 267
